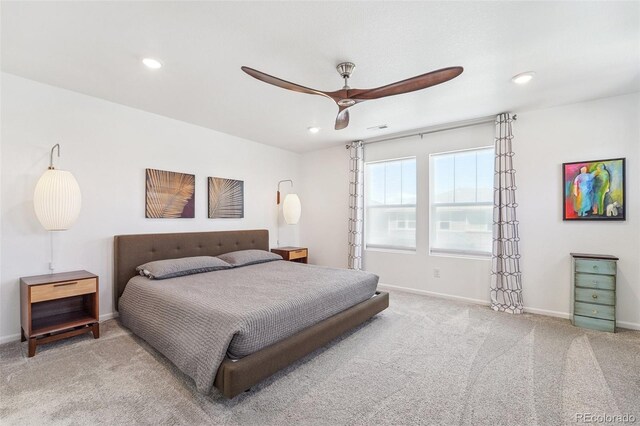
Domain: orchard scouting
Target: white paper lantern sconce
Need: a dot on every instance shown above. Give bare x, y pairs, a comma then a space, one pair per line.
57, 199
291, 207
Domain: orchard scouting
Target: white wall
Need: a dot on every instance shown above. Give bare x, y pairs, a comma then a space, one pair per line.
324, 223
1, 125
605, 128
107, 147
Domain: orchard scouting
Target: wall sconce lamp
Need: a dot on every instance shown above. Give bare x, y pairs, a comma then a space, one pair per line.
291, 208
57, 199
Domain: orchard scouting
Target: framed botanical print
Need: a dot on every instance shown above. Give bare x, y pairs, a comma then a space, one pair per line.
169, 194
226, 198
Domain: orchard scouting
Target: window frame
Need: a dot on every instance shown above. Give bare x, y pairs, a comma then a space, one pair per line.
386, 247
468, 254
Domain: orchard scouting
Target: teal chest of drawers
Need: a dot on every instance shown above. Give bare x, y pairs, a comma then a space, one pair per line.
594, 291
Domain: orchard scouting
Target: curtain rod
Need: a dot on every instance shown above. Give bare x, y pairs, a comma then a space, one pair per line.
437, 128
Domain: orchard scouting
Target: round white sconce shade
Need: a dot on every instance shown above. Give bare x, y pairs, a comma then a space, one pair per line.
57, 200
291, 209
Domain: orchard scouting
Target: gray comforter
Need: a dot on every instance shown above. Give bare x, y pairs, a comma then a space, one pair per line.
198, 319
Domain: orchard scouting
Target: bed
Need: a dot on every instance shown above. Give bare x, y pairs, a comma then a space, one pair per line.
233, 328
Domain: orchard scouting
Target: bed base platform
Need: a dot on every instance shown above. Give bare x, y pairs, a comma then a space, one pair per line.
235, 377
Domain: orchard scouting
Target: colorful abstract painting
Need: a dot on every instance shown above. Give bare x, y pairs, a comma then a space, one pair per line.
226, 198
169, 194
594, 190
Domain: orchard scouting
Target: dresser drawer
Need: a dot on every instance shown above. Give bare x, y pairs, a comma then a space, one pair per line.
604, 267
41, 293
594, 323
595, 311
601, 282
297, 254
591, 295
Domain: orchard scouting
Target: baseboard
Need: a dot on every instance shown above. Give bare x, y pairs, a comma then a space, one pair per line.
15, 337
432, 293
546, 312
538, 311
108, 316
10, 338
629, 325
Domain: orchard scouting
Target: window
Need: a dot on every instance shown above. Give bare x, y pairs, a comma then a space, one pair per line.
461, 200
390, 202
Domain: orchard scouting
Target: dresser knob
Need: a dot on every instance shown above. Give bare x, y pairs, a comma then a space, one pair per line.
595, 267
595, 312
595, 296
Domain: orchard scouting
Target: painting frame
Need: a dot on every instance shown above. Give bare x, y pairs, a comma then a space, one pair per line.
225, 198
604, 212
169, 195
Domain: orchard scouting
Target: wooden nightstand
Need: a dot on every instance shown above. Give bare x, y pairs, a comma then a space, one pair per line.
294, 254
57, 306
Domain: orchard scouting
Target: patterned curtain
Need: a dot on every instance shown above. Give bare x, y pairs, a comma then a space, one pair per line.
506, 280
356, 203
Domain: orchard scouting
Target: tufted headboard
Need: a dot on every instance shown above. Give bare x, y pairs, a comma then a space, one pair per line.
131, 251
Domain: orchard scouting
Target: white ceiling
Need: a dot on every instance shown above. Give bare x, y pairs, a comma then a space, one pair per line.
579, 50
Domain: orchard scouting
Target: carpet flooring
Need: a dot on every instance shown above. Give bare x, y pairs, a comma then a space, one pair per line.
423, 361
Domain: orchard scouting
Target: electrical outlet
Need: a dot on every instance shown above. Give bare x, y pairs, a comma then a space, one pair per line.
436, 273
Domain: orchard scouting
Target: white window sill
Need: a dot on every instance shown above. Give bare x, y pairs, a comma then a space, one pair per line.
461, 255
390, 250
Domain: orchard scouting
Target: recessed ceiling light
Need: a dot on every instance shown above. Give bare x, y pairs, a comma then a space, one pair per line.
154, 64
523, 78
313, 129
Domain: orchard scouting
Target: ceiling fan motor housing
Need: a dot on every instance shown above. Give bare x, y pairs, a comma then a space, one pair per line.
345, 69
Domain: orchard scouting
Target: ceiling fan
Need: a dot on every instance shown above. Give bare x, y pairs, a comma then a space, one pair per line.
348, 97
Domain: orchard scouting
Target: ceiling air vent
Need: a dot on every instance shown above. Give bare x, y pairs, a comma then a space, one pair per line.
378, 127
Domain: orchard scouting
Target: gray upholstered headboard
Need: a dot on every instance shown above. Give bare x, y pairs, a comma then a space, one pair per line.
131, 251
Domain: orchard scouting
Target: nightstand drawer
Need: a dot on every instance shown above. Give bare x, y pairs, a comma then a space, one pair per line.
297, 254
595, 311
604, 267
601, 282
41, 293
293, 254
591, 295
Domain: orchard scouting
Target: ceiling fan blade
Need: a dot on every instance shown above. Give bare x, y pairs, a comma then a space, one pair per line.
409, 85
342, 120
282, 83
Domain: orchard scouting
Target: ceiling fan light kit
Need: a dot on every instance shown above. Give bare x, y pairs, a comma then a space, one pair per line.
348, 97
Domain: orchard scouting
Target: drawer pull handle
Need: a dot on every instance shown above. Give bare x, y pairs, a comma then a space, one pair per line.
595, 282
595, 267
595, 311
595, 296
65, 284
